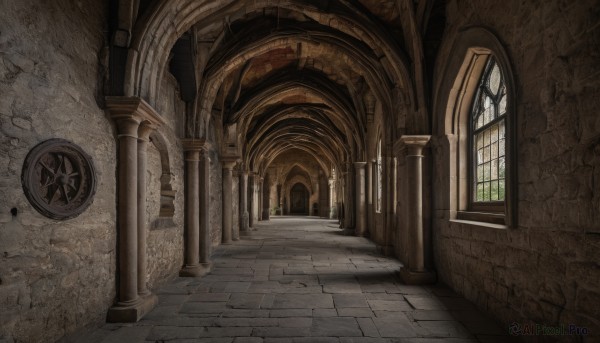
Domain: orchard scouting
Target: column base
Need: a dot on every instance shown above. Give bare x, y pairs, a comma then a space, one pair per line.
132, 312
417, 278
348, 232
248, 232
195, 271
386, 250
361, 233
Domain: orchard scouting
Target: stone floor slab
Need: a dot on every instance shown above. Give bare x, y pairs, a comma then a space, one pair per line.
395, 327
303, 301
349, 300
298, 280
335, 327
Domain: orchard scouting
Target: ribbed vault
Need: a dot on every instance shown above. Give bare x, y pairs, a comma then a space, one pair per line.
280, 75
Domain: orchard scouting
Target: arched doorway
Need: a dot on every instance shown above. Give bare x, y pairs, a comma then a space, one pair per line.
299, 197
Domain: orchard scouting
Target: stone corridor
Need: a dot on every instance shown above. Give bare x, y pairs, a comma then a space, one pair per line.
299, 279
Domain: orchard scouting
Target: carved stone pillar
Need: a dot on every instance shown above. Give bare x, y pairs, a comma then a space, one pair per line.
348, 195
144, 131
260, 198
266, 196
235, 229
332, 202
343, 200
193, 150
370, 189
244, 220
127, 215
228, 164
135, 121
415, 273
251, 186
204, 210
360, 204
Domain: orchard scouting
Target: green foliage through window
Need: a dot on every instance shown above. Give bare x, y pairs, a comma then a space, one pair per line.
488, 127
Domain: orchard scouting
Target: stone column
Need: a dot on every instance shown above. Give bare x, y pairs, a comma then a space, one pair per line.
260, 198
228, 164
266, 196
135, 121
370, 189
343, 200
339, 189
388, 206
267, 201
251, 184
348, 194
332, 204
415, 273
144, 131
235, 229
244, 223
360, 204
204, 210
193, 150
127, 215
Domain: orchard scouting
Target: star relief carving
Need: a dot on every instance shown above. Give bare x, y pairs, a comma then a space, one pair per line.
59, 179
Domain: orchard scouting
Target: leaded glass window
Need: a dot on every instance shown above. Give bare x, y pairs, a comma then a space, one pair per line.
488, 137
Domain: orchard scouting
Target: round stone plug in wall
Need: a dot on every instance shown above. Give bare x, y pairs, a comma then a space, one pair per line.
59, 179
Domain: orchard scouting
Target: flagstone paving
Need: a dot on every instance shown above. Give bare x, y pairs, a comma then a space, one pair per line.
299, 279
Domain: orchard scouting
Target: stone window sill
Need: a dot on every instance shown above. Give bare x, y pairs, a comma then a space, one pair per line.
162, 224
482, 219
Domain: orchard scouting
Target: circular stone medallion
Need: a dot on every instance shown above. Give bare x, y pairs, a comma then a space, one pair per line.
59, 179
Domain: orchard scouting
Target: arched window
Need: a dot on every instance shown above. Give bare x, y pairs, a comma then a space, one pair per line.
476, 104
487, 137
379, 176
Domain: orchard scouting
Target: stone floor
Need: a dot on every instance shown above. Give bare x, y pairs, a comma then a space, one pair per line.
299, 279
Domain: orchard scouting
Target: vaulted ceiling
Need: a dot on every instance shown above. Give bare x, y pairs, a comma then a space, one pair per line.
292, 74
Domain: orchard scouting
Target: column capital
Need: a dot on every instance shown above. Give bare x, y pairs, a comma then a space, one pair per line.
415, 144
195, 144
229, 161
145, 130
128, 108
415, 140
359, 165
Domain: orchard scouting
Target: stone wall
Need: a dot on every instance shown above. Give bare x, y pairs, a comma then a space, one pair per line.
55, 276
165, 234
235, 206
546, 270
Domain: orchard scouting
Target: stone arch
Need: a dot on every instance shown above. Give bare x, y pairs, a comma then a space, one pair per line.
338, 137
365, 63
455, 85
294, 182
333, 100
269, 146
277, 149
160, 27
317, 120
303, 172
